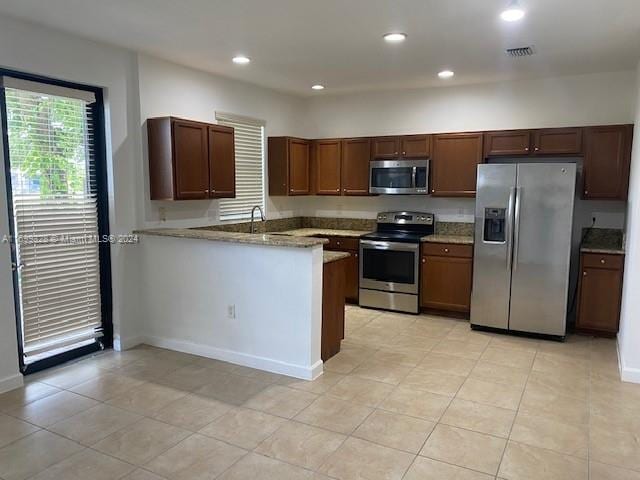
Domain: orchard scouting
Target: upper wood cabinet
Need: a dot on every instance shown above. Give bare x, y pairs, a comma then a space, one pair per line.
454, 162
557, 141
190, 160
415, 146
327, 167
600, 293
606, 162
385, 147
355, 166
507, 143
222, 165
288, 166
407, 146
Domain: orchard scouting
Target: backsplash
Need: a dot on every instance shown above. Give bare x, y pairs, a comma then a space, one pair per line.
455, 228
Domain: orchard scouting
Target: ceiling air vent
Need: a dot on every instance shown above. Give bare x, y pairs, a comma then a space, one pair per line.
520, 51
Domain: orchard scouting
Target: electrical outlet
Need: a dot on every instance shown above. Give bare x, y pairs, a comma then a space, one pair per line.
231, 312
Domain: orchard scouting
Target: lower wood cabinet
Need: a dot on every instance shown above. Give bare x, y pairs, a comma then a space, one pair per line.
446, 275
333, 291
352, 263
600, 293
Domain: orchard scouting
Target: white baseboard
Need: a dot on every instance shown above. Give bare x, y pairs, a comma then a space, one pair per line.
627, 374
120, 344
11, 383
244, 359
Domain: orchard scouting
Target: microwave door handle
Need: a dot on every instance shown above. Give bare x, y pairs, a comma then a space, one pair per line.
414, 175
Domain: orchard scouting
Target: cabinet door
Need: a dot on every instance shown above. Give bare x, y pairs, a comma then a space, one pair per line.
454, 163
385, 147
507, 142
445, 283
355, 166
352, 277
557, 141
190, 147
222, 162
599, 307
606, 162
415, 146
298, 167
328, 158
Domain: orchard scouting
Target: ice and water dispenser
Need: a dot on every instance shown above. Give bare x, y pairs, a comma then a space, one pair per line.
495, 224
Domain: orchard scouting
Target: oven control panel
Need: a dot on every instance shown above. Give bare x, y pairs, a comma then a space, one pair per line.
406, 218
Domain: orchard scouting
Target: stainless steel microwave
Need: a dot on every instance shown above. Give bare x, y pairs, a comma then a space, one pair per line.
399, 177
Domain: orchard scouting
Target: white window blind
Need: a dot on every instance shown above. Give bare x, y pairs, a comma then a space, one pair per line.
249, 146
53, 183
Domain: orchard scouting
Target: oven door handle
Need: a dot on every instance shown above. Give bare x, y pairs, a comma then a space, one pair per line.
379, 245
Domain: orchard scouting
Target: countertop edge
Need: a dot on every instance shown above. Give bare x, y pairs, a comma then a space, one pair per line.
326, 232
606, 251
234, 237
329, 256
453, 239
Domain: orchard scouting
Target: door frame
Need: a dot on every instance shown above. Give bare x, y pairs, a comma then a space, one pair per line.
104, 247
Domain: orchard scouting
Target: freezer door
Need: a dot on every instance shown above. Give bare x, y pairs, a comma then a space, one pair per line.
542, 248
495, 200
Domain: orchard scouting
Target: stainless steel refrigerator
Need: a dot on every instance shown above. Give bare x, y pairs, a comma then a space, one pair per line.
524, 218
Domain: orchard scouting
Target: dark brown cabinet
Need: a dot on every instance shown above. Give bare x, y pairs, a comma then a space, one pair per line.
289, 166
327, 167
600, 293
333, 300
454, 163
190, 160
355, 166
407, 146
385, 147
507, 143
222, 165
557, 141
352, 263
606, 162
446, 277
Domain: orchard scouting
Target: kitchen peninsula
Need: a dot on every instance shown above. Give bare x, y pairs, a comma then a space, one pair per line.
250, 299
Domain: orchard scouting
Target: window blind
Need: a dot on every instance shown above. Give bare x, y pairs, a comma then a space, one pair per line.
249, 147
54, 190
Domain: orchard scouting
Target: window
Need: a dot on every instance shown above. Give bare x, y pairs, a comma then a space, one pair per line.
249, 146
51, 133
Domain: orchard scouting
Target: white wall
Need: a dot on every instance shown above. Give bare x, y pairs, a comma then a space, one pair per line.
170, 89
276, 292
629, 336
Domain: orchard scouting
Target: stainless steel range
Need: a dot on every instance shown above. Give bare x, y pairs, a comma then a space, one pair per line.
390, 261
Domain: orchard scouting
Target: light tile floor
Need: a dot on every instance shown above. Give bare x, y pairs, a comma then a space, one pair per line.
407, 398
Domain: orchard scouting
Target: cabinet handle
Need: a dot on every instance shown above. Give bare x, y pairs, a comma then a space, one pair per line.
586, 192
356, 255
424, 260
526, 149
404, 153
537, 148
446, 250
395, 153
584, 274
206, 191
602, 261
337, 189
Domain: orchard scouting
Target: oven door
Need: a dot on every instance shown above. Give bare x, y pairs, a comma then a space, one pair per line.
399, 177
389, 266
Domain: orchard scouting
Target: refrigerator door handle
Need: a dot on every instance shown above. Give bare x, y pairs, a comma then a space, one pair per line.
516, 233
509, 232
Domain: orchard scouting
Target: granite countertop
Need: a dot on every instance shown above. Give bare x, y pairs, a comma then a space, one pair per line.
603, 240
457, 239
322, 232
328, 257
234, 237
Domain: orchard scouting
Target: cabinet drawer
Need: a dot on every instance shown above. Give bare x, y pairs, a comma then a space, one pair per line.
601, 260
447, 250
342, 243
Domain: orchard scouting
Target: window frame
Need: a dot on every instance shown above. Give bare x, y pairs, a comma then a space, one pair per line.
104, 248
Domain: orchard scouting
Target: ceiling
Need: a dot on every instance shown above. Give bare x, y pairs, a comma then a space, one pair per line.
294, 44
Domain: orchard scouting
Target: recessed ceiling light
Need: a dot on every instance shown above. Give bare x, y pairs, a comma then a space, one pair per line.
318, 87
241, 60
513, 12
395, 37
445, 74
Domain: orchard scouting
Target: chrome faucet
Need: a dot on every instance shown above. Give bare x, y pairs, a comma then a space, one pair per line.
262, 217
